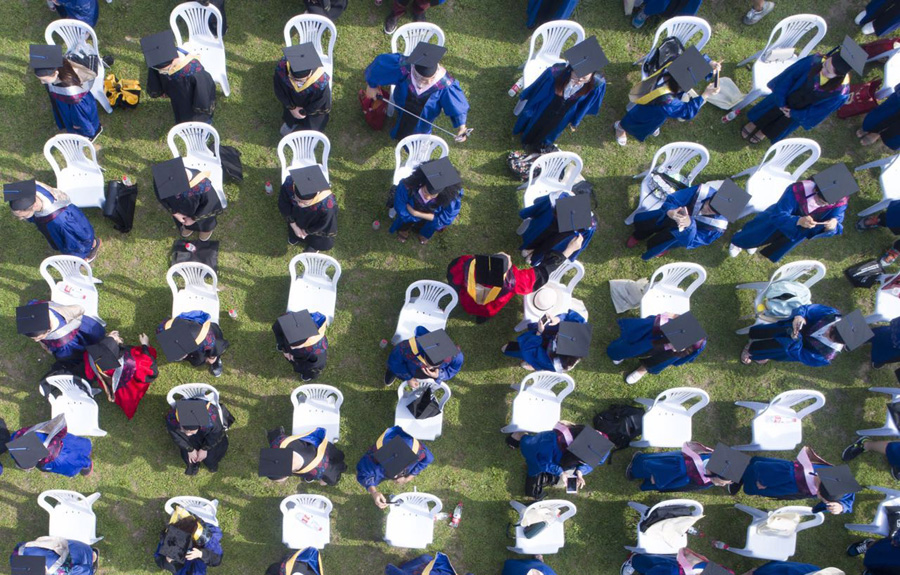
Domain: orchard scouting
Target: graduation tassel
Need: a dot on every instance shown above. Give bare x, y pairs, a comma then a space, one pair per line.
455, 137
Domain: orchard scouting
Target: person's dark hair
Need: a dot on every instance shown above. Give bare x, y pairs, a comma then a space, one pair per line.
415, 180
560, 84
448, 195
568, 361
67, 76
832, 83
187, 524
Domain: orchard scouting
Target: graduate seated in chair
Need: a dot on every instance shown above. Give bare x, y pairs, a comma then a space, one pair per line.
300, 337
422, 86
439, 564
194, 338
50, 448
886, 344
890, 450
302, 86
307, 455
807, 210
87, 11
174, 73
303, 562
63, 331
805, 94
123, 372
427, 355
526, 567
189, 196
689, 218
310, 209
658, 341
486, 283
395, 456
552, 222
54, 555
684, 470
560, 457
664, 9
68, 79
188, 545
882, 123
686, 562
881, 17
880, 557
428, 201
554, 343
196, 427
813, 335
62, 223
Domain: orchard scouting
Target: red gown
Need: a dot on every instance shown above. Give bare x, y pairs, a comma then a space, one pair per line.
138, 372
523, 283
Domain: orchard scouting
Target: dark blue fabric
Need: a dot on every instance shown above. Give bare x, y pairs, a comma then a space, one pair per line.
882, 558
543, 455
693, 236
871, 10
636, 340
70, 233
543, 215
89, 332
80, 561
213, 545
404, 364
779, 481
86, 11
892, 452
785, 568
655, 564
416, 566
797, 349
668, 469
77, 117
883, 349
566, 7
644, 119
370, 473
534, 346
889, 110
656, 7
892, 215
443, 215
523, 566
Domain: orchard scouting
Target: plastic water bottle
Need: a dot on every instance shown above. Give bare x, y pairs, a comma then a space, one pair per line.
190, 247
232, 313
376, 225
308, 520
269, 188
730, 116
720, 545
384, 343
520, 83
126, 180
457, 515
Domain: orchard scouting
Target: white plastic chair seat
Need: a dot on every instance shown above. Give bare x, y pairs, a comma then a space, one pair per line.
201, 143
410, 521
667, 422
424, 309
686, 29
879, 525
887, 302
303, 145
891, 77
422, 429
665, 537
807, 272
201, 41
538, 407
771, 177
71, 515
204, 509
558, 172
889, 428
76, 286
80, 176
671, 159
317, 405
314, 289
418, 148
305, 521
553, 537
75, 35
553, 36
888, 178
74, 398
774, 547
312, 28
777, 426
197, 294
664, 292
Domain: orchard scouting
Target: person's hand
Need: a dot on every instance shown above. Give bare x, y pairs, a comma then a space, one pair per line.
806, 222
461, 134
45, 348
193, 554
834, 507
573, 246
797, 324
404, 479
372, 93
716, 66
188, 221
579, 480
831, 224
287, 356
573, 128
786, 111
192, 457
710, 90
379, 499
297, 230
295, 112
144, 339
179, 218
431, 371
760, 485
201, 455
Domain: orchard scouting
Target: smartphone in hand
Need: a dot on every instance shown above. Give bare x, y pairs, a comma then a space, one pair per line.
572, 484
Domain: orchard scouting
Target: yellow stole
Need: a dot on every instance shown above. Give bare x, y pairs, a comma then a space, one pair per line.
309, 81
199, 178
315, 200
204, 330
472, 290
320, 451
289, 564
314, 339
180, 513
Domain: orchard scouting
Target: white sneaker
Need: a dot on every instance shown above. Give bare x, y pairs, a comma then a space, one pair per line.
751, 251
752, 17
868, 29
617, 361
859, 17
621, 138
634, 377
626, 569
734, 251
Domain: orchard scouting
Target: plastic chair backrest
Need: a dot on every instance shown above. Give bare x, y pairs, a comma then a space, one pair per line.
807, 272
203, 508
685, 28
789, 32
317, 503
781, 155
554, 505
193, 275
560, 273
789, 399
422, 504
315, 268
318, 393
312, 28
412, 34
553, 36
303, 145
191, 391
546, 382
672, 159
439, 391
68, 385
73, 33
674, 274
419, 149
196, 18
677, 397
70, 268
797, 510
198, 138
431, 294
72, 149
553, 166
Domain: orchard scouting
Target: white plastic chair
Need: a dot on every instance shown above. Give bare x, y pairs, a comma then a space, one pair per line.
538, 406
770, 178
74, 398
889, 179
80, 177
312, 28
891, 77
198, 294
558, 173
303, 146
889, 428
411, 34
564, 290
306, 521
671, 159
76, 286
685, 28
807, 272
664, 292
552, 37
201, 143
209, 48
786, 35
71, 515
196, 390
879, 525
410, 522
76, 34
314, 289
422, 429
204, 509
553, 537
419, 148
772, 546
317, 405
422, 307
887, 304
667, 422
665, 537
777, 425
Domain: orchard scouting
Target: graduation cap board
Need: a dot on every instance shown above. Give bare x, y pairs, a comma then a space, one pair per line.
20, 195
27, 450
835, 183
309, 181
573, 213
179, 339
275, 462
33, 319
159, 49
28, 565
302, 568
490, 270
302, 59
297, 326
175, 544
436, 346
591, 447
574, 339
395, 456
729, 200
853, 57
426, 57
440, 174
689, 68
683, 331
835, 482
728, 463
105, 354
586, 57
44, 59
192, 413
714, 569
854, 330
170, 178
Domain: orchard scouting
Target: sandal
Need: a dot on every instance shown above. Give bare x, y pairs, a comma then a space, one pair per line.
745, 355
422, 240
402, 237
621, 135
869, 139
860, 133
756, 138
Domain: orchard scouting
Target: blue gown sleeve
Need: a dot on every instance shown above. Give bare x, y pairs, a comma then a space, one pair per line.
451, 369
591, 104
82, 558
443, 217
811, 117
420, 465
384, 70
782, 213
537, 85
679, 199
454, 104
212, 551
368, 472
401, 199
398, 364
677, 109
838, 214
781, 84
686, 236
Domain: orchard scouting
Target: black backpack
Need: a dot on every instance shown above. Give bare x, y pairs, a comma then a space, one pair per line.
620, 423
666, 52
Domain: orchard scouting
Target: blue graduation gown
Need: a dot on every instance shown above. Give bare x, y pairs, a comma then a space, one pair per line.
541, 92
886, 343
871, 10
793, 78
892, 452
889, 110
779, 481
668, 469
695, 235
564, 11
644, 119
74, 343
213, 546
309, 557
543, 215
543, 455
86, 11
783, 216
785, 568
67, 229
523, 566
75, 109
440, 565
370, 473
636, 340
534, 346
797, 349
74, 454
655, 7
443, 215
645, 564
80, 562
882, 558
445, 95
404, 364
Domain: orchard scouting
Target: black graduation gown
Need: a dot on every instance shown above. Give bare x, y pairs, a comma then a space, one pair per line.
212, 439
319, 221
308, 362
330, 9
314, 100
214, 345
200, 201
191, 90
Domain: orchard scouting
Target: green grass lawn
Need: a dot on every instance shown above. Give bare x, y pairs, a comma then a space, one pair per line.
137, 468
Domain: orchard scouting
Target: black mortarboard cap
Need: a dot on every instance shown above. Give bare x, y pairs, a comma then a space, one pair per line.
179, 339
728, 463
45, 57
170, 179
440, 174
573, 213
275, 462
835, 482
302, 568
689, 68
105, 353
853, 56
175, 544
835, 183
27, 450
302, 58
192, 413
729, 200
591, 446
683, 331
573, 339
714, 569
426, 57
309, 181
34, 318
395, 456
586, 57
490, 270
28, 565
853, 330
159, 48
436, 346
20, 195
297, 326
